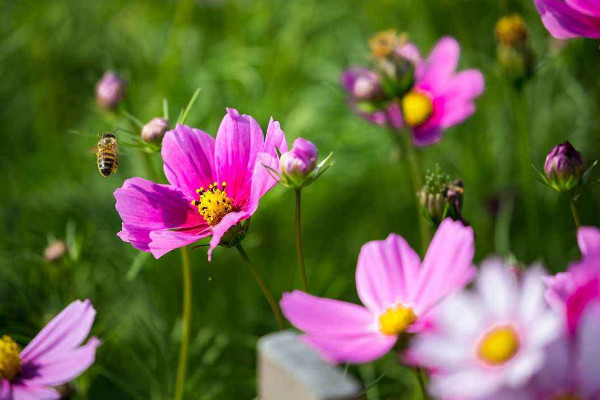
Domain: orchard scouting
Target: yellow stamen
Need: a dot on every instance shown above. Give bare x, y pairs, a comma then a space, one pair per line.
396, 320
499, 345
417, 107
213, 204
511, 30
10, 360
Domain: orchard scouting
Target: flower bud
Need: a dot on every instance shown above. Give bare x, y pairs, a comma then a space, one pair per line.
299, 162
441, 197
110, 91
55, 251
366, 86
564, 167
511, 30
154, 131
513, 53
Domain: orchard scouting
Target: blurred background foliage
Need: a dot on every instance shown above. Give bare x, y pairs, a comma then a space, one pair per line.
266, 58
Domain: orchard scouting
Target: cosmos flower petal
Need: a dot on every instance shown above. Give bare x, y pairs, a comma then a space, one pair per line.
523, 368
5, 390
497, 287
427, 136
222, 227
188, 156
441, 65
447, 265
26, 392
579, 300
588, 7
532, 301
565, 22
472, 383
353, 349
588, 238
65, 332
239, 140
386, 273
165, 240
64, 367
557, 370
589, 351
458, 98
431, 350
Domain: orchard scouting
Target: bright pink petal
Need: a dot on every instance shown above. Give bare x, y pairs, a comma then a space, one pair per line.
188, 156
588, 238
63, 367
441, 65
222, 227
166, 240
26, 392
64, 333
262, 179
238, 143
459, 95
579, 300
357, 349
447, 265
5, 390
146, 206
387, 272
589, 7
565, 22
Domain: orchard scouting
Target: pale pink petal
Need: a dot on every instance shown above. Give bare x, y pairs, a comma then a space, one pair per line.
557, 369
239, 140
564, 22
65, 332
387, 272
222, 227
498, 288
532, 303
588, 238
589, 351
447, 265
462, 89
559, 287
440, 65
523, 367
166, 240
465, 384
357, 349
188, 156
445, 351
26, 392
63, 367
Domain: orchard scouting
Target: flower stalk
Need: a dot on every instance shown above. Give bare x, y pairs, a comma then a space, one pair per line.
185, 323
299, 248
575, 213
419, 374
267, 293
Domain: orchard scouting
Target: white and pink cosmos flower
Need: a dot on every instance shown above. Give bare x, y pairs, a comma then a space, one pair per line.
398, 291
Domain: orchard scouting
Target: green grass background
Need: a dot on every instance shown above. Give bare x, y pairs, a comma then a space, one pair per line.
279, 58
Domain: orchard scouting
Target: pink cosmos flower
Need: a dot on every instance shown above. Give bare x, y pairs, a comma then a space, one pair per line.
567, 19
441, 97
55, 356
398, 292
213, 185
563, 285
492, 339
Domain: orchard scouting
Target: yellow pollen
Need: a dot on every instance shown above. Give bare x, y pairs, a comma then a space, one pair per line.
511, 30
417, 107
10, 360
214, 203
499, 345
396, 320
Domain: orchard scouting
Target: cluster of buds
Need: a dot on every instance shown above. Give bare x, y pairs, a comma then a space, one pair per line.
441, 197
154, 131
298, 167
564, 169
513, 53
390, 76
110, 91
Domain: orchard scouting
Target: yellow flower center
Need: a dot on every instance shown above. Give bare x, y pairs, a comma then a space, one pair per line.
499, 345
214, 203
417, 107
396, 320
511, 30
10, 360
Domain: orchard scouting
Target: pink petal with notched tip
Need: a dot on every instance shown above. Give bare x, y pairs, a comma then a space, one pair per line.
188, 155
440, 66
459, 97
222, 227
386, 273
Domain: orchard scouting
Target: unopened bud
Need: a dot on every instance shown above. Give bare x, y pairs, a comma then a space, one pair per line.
299, 162
564, 167
513, 53
55, 251
511, 30
110, 90
154, 131
441, 197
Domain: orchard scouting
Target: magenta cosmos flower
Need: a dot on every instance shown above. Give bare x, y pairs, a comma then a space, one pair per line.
213, 185
441, 97
567, 19
398, 292
55, 356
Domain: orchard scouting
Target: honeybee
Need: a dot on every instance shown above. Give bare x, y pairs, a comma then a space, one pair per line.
107, 154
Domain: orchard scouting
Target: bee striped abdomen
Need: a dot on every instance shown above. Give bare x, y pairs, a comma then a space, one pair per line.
107, 157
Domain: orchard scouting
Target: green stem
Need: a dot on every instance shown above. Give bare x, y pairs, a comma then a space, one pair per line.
575, 213
409, 153
185, 323
299, 250
263, 287
421, 381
